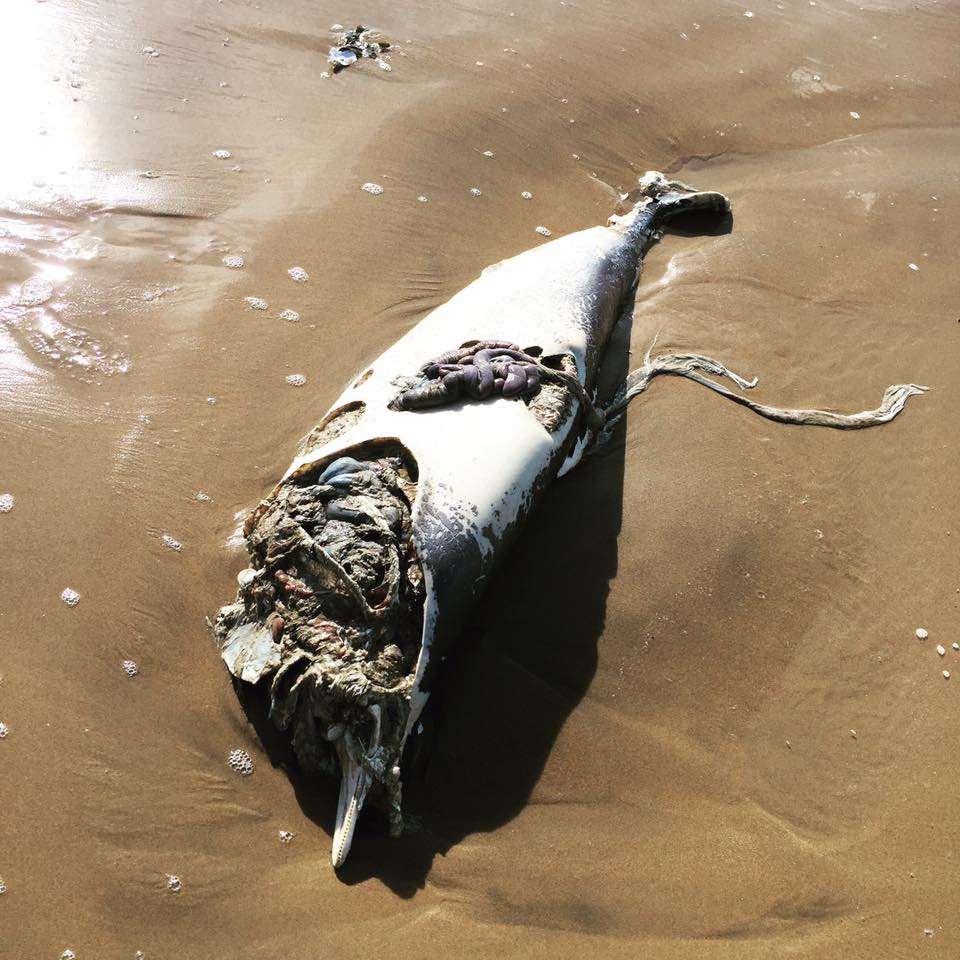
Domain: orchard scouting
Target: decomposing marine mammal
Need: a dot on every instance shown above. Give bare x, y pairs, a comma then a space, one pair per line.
370, 552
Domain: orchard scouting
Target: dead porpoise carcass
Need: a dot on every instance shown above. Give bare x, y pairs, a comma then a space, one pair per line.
368, 555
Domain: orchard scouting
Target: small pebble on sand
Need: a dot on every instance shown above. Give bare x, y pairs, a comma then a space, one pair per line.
298, 274
941, 649
955, 645
946, 674
913, 266
853, 733
174, 884
854, 114
172, 543
296, 379
6, 502
222, 154
70, 597
922, 634
256, 303
130, 668
373, 188
544, 231
233, 262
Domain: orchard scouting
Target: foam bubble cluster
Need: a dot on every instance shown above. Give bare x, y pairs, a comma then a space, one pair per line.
170, 542
174, 884
130, 668
373, 188
256, 303
222, 154
6, 502
296, 379
4, 730
233, 262
286, 836
298, 274
70, 597
240, 762
35, 291
290, 315
475, 191
544, 231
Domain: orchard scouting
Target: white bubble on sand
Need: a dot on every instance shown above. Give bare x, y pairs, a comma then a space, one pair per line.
6, 502
170, 542
35, 291
68, 954
203, 497
211, 400
174, 883
748, 14
222, 154
291, 315
913, 266
373, 188
298, 274
854, 114
286, 836
475, 191
921, 633
526, 195
3, 887
240, 762
489, 154
4, 730
233, 262
70, 597
256, 303
383, 65
296, 379
544, 231
150, 52
423, 199
130, 668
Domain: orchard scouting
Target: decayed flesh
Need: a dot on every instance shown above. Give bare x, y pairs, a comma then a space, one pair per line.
330, 614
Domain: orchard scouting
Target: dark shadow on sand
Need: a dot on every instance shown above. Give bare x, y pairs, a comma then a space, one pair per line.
525, 661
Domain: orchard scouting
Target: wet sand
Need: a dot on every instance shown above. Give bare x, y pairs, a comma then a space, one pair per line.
692, 719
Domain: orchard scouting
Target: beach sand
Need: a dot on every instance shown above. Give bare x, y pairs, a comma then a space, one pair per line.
692, 718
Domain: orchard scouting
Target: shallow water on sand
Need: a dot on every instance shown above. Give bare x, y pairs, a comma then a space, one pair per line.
692, 719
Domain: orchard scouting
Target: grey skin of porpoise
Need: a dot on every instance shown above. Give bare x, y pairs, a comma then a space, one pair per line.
479, 466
